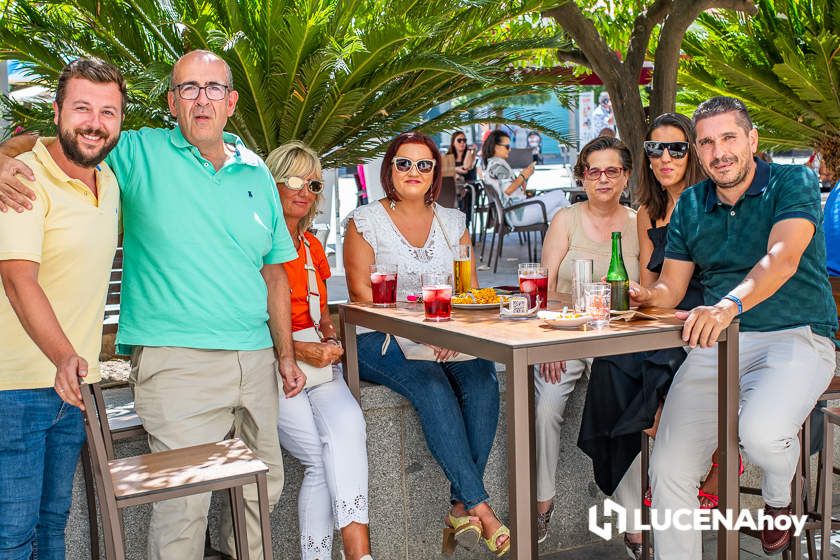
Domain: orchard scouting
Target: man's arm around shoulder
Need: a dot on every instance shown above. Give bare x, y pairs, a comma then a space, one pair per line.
13, 193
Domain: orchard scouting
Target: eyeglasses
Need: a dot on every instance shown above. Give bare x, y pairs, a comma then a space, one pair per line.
404, 165
676, 150
190, 92
461, 140
297, 183
594, 173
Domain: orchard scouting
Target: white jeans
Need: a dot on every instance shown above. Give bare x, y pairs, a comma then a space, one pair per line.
782, 375
532, 214
549, 408
324, 429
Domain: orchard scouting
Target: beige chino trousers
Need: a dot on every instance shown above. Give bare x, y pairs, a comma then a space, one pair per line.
187, 396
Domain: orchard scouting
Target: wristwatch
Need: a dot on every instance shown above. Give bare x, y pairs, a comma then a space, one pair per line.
332, 339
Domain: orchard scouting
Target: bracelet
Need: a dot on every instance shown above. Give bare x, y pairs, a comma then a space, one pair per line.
737, 300
332, 339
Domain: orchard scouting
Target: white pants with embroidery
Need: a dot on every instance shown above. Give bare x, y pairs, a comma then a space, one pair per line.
324, 429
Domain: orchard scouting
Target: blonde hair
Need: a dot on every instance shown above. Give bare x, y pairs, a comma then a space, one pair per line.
296, 159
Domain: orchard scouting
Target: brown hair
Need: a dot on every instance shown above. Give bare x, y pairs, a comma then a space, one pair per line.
599, 144
387, 165
720, 105
650, 191
452, 149
92, 70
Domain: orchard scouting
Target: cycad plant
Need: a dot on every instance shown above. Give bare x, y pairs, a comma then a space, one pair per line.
784, 63
340, 75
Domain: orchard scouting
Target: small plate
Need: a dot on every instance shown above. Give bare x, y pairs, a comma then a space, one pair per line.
632, 308
553, 319
475, 305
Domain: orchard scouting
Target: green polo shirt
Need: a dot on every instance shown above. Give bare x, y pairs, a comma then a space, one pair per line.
725, 242
194, 242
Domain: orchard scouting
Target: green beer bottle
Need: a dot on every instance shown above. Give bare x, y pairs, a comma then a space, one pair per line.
617, 277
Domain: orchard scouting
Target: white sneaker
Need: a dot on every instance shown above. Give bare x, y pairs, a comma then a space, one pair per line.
365, 557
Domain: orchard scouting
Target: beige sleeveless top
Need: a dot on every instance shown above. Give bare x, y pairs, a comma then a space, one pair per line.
582, 247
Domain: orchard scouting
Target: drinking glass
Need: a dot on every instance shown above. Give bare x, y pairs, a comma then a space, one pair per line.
597, 295
581, 274
383, 284
533, 282
462, 265
437, 295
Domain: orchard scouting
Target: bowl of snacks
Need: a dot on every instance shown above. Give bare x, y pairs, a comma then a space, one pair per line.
476, 298
564, 319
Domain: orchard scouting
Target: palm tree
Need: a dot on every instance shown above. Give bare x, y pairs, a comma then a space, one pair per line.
340, 75
784, 63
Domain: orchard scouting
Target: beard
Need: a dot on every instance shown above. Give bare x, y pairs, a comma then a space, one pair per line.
733, 180
70, 145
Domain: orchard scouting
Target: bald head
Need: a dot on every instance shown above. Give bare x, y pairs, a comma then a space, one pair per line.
199, 57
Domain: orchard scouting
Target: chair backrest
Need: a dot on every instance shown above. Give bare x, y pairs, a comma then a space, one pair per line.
96, 426
448, 194
495, 201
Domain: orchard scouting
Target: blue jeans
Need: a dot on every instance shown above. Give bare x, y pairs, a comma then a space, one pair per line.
458, 406
39, 447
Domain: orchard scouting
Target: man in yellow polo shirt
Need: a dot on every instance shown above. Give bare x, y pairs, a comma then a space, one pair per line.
55, 262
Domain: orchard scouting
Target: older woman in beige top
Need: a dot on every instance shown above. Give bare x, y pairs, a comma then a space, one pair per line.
582, 231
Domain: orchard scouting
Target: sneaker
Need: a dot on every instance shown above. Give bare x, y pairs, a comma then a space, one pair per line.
543, 519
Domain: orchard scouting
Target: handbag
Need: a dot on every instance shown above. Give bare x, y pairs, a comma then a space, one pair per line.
314, 375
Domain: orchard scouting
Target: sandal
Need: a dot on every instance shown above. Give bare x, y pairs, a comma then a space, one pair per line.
464, 531
714, 499
491, 542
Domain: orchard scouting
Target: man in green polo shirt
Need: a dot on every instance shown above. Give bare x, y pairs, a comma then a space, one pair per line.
205, 299
754, 232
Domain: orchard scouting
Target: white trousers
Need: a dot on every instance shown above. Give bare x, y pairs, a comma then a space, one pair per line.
549, 409
782, 375
324, 429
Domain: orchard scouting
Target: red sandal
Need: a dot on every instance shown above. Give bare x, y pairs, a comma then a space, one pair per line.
713, 498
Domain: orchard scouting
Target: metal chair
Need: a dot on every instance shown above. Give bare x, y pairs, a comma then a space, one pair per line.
121, 483
502, 227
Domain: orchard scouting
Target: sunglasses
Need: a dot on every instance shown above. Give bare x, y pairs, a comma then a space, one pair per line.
461, 140
677, 150
594, 173
404, 165
297, 183
504, 146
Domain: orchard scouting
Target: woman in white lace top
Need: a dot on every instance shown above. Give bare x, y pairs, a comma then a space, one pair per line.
457, 402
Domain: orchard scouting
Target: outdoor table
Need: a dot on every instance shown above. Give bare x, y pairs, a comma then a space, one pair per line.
519, 344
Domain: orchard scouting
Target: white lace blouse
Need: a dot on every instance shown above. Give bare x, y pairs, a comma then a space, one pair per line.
390, 246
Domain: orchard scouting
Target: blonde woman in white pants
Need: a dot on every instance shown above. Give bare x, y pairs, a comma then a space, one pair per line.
322, 426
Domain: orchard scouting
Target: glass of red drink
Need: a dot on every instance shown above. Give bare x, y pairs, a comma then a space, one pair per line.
437, 295
383, 284
533, 282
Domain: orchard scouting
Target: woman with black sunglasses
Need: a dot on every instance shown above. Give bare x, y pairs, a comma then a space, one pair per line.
609, 432
510, 186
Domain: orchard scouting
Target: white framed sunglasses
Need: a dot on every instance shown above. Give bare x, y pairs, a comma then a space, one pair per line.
297, 183
404, 165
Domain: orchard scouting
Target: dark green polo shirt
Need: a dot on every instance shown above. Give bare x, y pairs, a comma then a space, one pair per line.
725, 242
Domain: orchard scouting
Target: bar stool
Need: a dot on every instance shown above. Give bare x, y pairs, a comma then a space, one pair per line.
120, 483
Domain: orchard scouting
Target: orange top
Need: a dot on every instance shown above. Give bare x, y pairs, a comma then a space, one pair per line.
296, 272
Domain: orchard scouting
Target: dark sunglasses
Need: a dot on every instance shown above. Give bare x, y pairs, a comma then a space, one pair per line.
297, 183
404, 165
461, 140
504, 146
677, 150
594, 173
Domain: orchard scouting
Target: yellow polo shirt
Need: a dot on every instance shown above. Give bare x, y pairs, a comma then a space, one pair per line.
73, 236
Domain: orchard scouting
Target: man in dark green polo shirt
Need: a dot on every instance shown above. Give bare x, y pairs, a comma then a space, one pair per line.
754, 232
205, 300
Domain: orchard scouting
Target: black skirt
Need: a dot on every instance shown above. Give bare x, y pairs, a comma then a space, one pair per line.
623, 396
